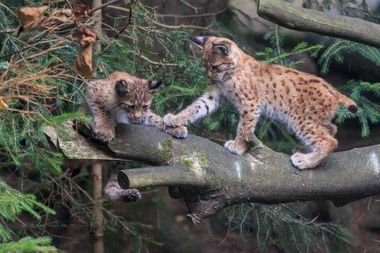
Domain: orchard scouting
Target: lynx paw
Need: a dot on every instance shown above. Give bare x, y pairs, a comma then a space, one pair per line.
114, 192
236, 147
301, 161
130, 195
171, 120
104, 134
177, 132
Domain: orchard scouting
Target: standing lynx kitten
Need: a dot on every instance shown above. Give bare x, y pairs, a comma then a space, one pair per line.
305, 103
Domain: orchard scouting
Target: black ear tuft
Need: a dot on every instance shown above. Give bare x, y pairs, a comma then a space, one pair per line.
221, 48
155, 85
200, 41
121, 88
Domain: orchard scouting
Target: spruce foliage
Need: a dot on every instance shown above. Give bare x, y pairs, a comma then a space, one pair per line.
12, 204
359, 91
285, 227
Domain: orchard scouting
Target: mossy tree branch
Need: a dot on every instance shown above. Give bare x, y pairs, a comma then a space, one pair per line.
209, 178
301, 19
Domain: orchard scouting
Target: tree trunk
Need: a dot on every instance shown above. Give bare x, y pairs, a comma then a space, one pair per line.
98, 208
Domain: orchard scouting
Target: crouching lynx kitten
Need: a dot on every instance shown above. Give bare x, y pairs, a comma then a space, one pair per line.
122, 98
304, 102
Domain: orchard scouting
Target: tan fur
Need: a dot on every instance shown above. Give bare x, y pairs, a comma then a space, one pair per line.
108, 107
304, 102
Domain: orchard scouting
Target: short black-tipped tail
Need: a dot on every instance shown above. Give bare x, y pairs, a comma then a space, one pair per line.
351, 106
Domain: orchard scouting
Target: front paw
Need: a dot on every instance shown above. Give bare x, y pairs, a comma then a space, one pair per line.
171, 120
301, 161
177, 132
130, 195
104, 134
236, 147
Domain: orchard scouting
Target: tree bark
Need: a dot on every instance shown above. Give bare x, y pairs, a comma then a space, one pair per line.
301, 19
210, 178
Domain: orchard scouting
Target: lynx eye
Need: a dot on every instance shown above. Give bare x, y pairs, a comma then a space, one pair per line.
129, 106
214, 66
145, 107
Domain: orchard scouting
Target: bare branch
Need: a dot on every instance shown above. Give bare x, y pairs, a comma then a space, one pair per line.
129, 21
301, 19
103, 6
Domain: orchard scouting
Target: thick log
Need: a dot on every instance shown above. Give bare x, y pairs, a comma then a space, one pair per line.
301, 19
209, 178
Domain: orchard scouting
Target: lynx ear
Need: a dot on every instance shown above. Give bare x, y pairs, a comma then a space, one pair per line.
199, 40
121, 88
221, 48
155, 85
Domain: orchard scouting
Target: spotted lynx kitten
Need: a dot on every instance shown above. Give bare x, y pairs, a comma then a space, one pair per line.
304, 102
122, 98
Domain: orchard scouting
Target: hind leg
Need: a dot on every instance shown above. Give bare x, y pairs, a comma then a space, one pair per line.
322, 144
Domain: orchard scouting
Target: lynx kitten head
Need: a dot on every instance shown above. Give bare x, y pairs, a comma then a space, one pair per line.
135, 96
218, 56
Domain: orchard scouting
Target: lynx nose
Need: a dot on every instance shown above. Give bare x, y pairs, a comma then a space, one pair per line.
137, 115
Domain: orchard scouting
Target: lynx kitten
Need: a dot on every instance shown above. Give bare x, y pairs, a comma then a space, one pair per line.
305, 103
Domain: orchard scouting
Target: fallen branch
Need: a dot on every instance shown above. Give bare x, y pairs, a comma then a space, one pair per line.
209, 178
301, 19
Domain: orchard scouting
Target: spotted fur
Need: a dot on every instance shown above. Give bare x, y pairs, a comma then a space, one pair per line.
122, 98
305, 103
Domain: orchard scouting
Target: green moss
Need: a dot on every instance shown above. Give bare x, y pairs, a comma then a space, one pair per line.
203, 158
166, 151
188, 162
195, 158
